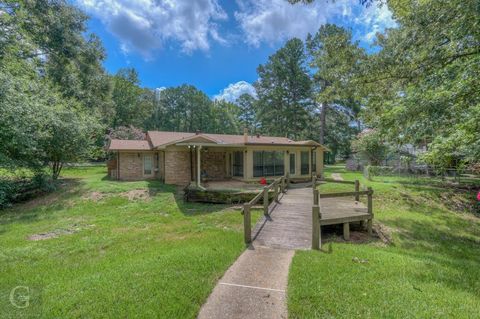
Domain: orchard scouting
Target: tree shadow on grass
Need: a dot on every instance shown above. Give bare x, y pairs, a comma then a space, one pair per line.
445, 241
31, 210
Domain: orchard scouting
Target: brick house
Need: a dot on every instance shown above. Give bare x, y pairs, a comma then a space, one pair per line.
183, 158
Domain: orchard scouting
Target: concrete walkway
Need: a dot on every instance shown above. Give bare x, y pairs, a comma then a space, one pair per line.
337, 177
253, 287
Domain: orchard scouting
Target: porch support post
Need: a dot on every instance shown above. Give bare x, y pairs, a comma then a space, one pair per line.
199, 173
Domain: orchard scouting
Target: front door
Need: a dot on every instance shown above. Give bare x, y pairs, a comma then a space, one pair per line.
147, 165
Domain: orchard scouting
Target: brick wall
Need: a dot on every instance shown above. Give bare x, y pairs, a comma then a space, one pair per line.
177, 167
131, 166
214, 164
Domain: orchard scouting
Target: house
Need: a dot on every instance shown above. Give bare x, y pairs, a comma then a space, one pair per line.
184, 158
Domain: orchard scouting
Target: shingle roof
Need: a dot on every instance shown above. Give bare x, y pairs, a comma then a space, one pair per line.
162, 138
130, 145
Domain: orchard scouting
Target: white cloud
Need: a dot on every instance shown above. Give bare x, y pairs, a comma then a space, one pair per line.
272, 21
375, 18
275, 20
146, 25
234, 90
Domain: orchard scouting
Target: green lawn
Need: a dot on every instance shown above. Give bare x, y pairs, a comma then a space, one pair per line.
431, 270
114, 257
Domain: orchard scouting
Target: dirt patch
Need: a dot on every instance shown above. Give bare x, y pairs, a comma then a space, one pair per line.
95, 196
358, 235
384, 233
57, 232
136, 194
66, 186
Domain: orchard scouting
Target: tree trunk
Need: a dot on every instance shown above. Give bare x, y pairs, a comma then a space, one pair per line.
56, 169
323, 122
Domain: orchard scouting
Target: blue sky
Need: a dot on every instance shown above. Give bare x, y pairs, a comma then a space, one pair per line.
211, 44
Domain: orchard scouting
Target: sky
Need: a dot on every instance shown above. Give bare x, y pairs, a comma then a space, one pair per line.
215, 45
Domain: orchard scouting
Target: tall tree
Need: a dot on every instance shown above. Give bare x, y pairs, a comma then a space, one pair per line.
52, 34
132, 104
335, 59
422, 85
183, 108
284, 92
247, 117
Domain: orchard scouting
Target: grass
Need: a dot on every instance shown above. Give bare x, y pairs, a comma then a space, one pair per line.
114, 257
430, 270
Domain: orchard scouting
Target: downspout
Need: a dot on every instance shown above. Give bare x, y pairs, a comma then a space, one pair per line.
118, 165
164, 166
191, 163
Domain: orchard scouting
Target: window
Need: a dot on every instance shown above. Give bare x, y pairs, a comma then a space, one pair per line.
314, 161
147, 164
238, 163
304, 162
292, 163
268, 163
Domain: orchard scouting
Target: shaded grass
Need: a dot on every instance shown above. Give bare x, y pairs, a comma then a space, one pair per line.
431, 270
158, 257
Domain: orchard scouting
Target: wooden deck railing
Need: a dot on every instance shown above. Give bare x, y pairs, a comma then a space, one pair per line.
278, 186
317, 215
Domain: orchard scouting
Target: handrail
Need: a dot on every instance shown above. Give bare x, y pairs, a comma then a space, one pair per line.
331, 180
282, 183
317, 215
345, 194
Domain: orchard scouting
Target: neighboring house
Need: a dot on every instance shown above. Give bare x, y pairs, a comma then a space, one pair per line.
184, 158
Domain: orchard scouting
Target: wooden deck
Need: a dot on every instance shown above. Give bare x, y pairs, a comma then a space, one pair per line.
289, 224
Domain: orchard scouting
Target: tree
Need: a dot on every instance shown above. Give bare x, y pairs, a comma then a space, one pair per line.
132, 104
247, 117
225, 118
183, 108
335, 59
284, 92
24, 112
126, 133
370, 144
68, 138
51, 34
422, 85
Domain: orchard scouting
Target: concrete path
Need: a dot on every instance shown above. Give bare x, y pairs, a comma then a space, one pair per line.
253, 287
337, 177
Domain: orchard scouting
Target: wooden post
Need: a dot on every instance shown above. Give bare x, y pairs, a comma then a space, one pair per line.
275, 189
357, 189
370, 211
314, 181
316, 239
283, 184
265, 200
315, 197
247, 227
370, 201
288, 179
346, 231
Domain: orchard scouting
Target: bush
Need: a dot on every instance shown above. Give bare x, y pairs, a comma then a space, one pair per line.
20, 189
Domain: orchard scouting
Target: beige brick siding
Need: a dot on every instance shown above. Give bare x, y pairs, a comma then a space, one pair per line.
177, 167
214, 164
131, 166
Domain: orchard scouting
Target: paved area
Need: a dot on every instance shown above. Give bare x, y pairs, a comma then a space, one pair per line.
337, 177
253, 287
289, 225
